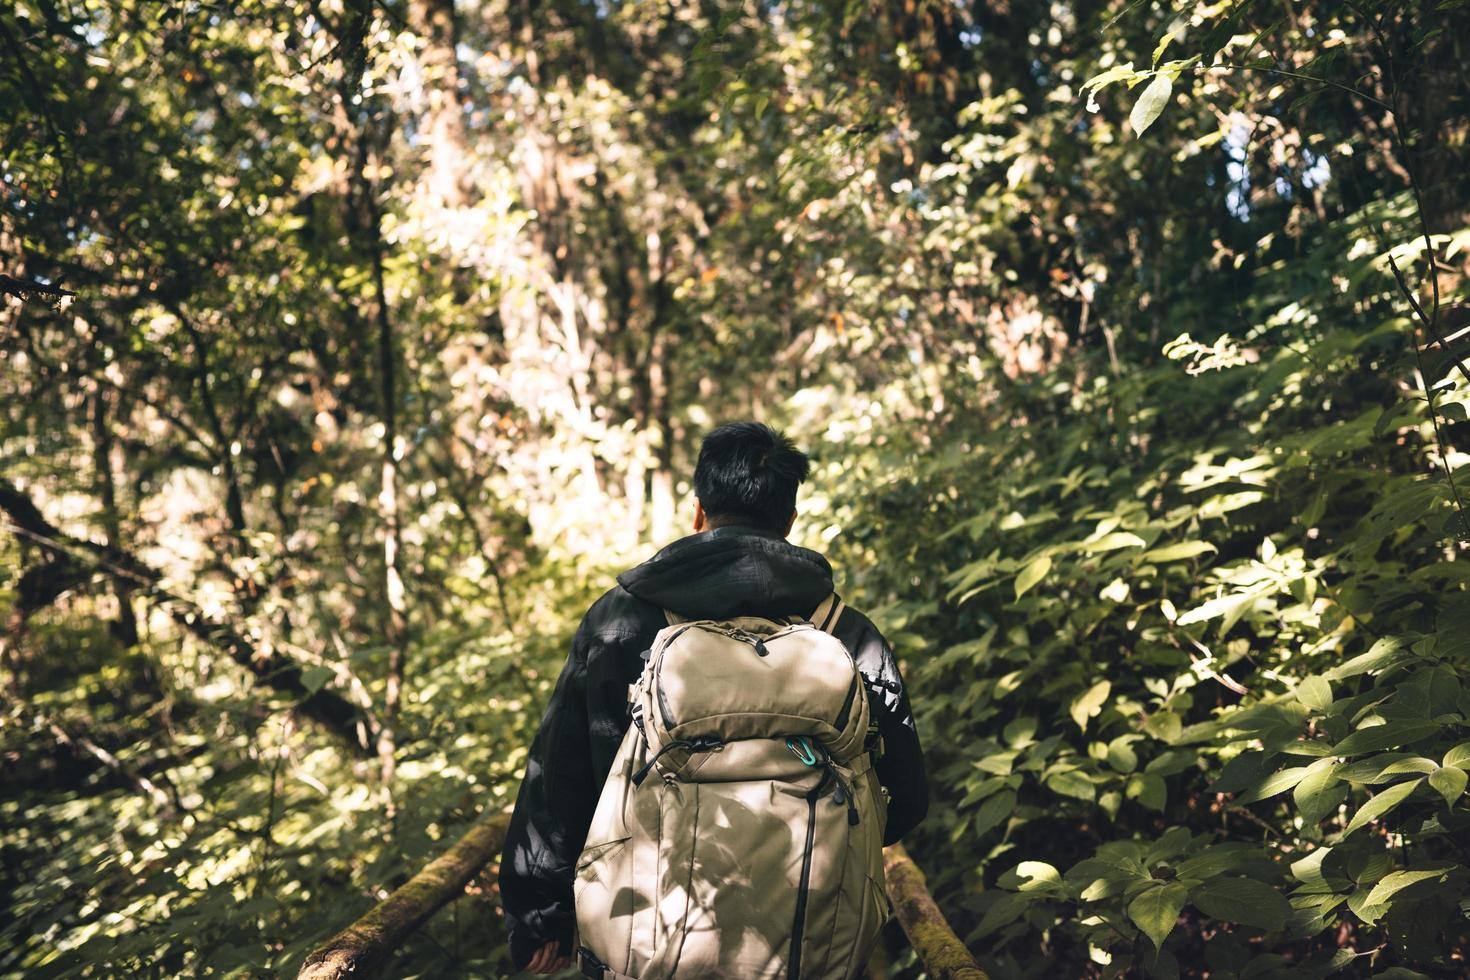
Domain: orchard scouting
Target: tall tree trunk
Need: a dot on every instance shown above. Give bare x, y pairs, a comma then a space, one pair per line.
662, 496
443, 119
102, 442
396, 632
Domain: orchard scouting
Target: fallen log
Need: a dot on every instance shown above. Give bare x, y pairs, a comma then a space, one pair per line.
940, 950
362, 948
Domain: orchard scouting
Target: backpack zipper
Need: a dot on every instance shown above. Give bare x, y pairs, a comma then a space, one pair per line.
793, 959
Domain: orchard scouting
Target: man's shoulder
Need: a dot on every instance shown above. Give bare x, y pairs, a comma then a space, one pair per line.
854, 627
619, 615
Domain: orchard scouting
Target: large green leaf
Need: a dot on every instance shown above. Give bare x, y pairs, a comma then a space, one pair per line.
1319, 792
1277, 782
1314, 692
1449, 782
1389, 735
1072, 783
993, 811
1391, 884
1243, 900
1382, 653
1156, 910
1381, 804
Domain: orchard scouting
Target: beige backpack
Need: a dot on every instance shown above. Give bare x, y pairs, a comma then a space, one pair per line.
740, 831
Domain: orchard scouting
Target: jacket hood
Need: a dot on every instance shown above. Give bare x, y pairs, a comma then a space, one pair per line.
732, 571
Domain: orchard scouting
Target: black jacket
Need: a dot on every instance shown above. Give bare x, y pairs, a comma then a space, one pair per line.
730, 571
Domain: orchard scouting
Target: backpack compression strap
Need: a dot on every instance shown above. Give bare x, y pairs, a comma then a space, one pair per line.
824, 617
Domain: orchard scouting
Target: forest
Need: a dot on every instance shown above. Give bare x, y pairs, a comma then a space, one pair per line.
349, 348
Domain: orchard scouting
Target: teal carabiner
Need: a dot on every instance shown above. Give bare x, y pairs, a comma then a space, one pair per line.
803, 750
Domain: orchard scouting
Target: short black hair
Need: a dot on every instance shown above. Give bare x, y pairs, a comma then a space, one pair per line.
748, 474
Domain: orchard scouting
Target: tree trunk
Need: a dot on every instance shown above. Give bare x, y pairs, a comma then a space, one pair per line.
443, 119
396, 631
122, 588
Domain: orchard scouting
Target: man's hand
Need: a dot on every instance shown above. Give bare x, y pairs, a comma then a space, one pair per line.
549, 959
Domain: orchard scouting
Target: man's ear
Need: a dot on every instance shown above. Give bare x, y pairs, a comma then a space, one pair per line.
789, 522
700, 520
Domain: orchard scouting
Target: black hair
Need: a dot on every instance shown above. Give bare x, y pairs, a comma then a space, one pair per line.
748, 474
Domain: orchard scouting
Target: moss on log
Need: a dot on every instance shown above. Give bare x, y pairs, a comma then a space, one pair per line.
362, 948
940, 950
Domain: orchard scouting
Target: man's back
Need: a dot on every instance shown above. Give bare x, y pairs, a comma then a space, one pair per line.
719, 574
731, 570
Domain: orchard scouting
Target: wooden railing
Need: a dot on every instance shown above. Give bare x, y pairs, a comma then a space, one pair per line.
363, 948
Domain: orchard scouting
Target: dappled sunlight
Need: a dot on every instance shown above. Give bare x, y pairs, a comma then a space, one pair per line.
349, 352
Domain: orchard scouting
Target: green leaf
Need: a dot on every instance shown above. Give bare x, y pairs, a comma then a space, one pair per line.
1156, 910
1308, 870
1381, 804
316, 678
1150, 104
1039, 873
1314, 692
1382, 653
1089, 703
1386, 736
1449, 782
1458, 756
1112, 542
1217, 859
1243, 900
1391, 884
1179, 551
1117, 73
1072, 784
1319, 792
1149, 790
1121, 755
1163, 43
993, 811
1277, 782
1031, 574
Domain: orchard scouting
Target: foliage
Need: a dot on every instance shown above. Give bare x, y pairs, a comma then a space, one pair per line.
1103, 323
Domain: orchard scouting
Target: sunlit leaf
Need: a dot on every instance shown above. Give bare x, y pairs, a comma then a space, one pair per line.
1380, 805
1156, 910
1032, 574
1150, 103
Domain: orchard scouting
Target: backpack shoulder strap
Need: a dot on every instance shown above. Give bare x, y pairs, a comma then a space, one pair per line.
826, 615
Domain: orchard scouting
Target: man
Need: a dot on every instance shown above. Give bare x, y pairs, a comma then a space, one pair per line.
737, 563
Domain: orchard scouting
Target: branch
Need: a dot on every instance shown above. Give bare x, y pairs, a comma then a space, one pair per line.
21, 288
362, 948
78, 559
940, 950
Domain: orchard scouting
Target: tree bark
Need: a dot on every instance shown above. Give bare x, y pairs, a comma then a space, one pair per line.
940, 950
363, 948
